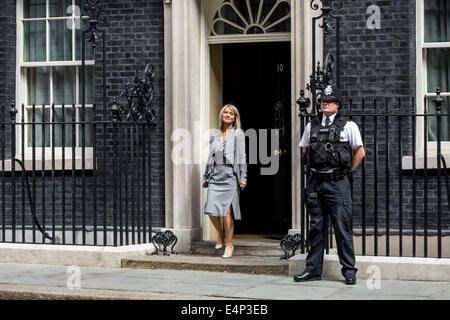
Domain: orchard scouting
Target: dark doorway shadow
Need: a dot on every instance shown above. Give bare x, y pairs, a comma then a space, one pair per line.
257, 80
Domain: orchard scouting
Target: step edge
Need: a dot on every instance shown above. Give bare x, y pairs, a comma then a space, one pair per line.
248, 269
125, 261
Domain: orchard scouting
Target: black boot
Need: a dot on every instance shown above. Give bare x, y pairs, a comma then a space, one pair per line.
307, 276
350, 279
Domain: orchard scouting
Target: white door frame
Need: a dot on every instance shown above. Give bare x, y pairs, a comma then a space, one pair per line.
182, 62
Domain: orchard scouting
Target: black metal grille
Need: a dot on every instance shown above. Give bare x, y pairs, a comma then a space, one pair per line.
400, 193
82, 180
394, 203
66, 195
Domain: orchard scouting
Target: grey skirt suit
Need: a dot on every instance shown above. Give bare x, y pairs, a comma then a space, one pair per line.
225, 169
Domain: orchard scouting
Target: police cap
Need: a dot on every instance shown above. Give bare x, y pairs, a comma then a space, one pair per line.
331, 93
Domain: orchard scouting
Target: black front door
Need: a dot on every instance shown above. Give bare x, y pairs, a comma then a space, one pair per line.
257, 80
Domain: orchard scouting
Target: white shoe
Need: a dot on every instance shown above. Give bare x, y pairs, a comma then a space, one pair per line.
220, 246
229, 255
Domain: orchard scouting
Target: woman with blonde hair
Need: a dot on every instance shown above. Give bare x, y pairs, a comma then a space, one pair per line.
225, 174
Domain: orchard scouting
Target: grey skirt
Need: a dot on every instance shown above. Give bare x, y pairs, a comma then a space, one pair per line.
223, 192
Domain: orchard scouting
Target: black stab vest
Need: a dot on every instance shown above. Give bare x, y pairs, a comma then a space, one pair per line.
326, 152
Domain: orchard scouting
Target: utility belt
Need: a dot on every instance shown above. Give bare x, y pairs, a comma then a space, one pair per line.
331, 175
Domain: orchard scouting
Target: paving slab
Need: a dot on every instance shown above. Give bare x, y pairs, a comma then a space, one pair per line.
47, 282
422, 289
283, 292
20, 292
342, 296
191, 276
442, 294
157, 286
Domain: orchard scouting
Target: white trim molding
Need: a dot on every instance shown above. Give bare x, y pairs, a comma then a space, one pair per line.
21, 96
183, 111
241, 38
407, 162
187, 101
421, 84
249, 20
48, 164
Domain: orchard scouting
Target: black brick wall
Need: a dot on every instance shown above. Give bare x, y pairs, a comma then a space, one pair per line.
7, 51
134, 38
378, 62
375, 64
380, 65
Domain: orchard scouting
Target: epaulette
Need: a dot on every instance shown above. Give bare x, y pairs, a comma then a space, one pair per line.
340, 121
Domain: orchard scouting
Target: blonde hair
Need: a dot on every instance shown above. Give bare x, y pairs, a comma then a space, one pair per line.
237, 117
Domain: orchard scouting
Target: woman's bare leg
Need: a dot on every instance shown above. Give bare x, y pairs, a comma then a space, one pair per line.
228, 223
218, 225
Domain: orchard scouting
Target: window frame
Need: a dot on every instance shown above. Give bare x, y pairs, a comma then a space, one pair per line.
421, 83
22, 92
245, 38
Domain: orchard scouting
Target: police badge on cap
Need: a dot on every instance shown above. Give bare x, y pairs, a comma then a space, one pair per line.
331, 93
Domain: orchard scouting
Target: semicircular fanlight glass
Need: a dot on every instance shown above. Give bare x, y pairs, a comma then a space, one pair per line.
252, 17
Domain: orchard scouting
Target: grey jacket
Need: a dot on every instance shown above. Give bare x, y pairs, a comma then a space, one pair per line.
235, 140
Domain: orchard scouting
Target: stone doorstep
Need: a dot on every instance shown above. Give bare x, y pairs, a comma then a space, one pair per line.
388, 268
237, 264
241, 248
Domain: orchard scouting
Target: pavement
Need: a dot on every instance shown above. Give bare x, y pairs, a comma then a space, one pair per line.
41, 282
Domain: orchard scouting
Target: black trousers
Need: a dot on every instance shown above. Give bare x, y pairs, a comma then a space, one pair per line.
332, 198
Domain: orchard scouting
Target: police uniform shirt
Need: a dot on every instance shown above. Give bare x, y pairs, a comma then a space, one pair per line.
350, 133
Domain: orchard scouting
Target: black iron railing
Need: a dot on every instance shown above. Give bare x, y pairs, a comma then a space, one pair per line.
401, 189
56, 174
399, 207
86, 171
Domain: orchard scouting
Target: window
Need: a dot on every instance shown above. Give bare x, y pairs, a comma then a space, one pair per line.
49, 53
262, 19
435, 60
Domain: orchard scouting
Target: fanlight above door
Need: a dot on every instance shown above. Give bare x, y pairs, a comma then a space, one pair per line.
248, 17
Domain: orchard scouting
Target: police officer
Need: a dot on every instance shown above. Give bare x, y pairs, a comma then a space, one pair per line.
332, 148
